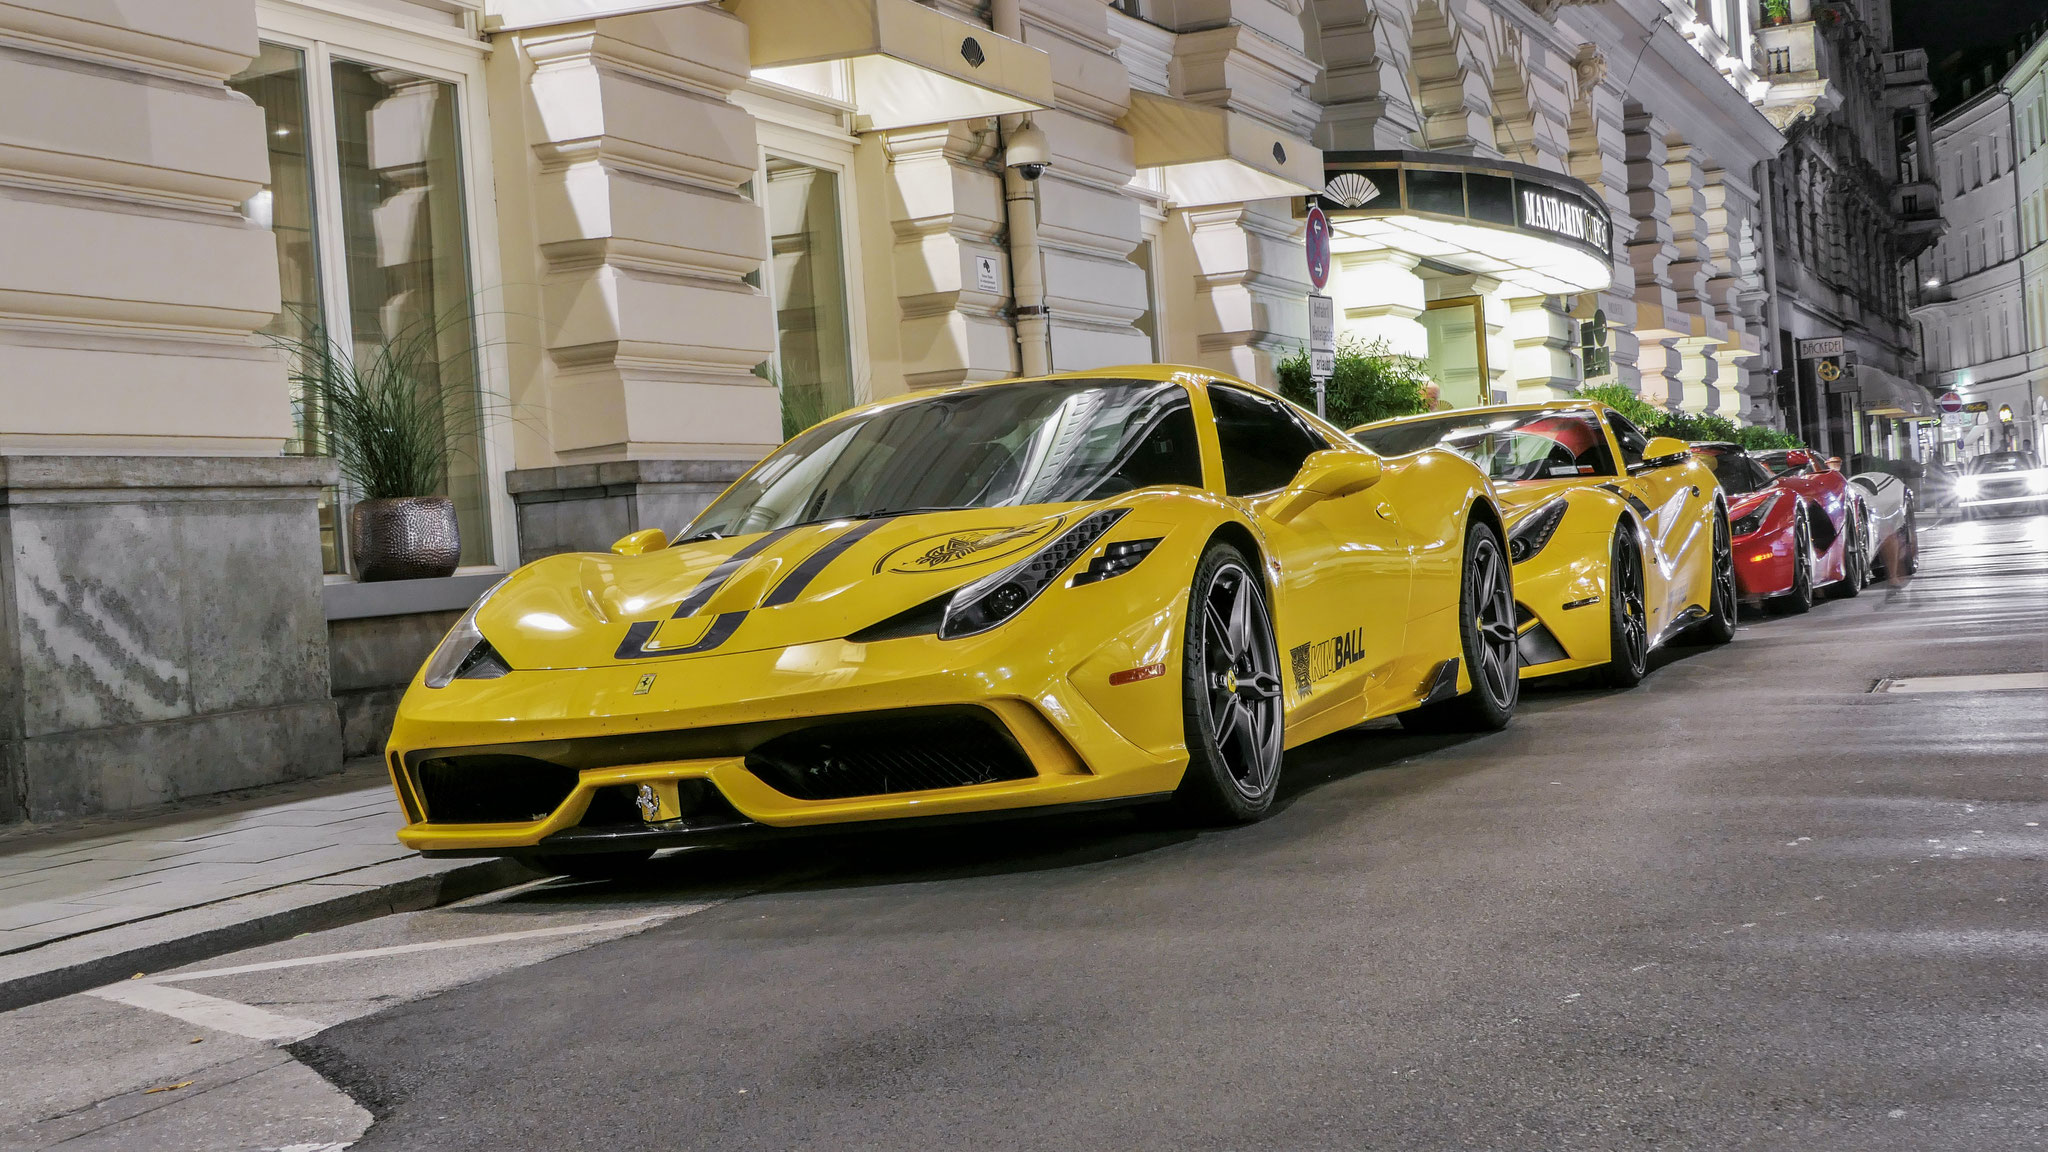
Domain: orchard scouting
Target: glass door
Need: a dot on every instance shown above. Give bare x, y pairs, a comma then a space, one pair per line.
1457, 351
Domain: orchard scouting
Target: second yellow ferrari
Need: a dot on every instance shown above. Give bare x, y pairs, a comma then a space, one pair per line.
1620, 540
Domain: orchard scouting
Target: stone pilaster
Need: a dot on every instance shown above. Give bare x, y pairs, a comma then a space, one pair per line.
129, 281
945, 208
1378, 296
1651, 252
1364, 86
1251, 294
643, 241
1087, 226
1450, 82
1541, 335
1599, 156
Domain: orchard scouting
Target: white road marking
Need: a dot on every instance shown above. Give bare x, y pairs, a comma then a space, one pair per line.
427, 946
209, 1011
2001, 682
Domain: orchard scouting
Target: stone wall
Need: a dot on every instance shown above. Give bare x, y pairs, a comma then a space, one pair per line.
162, 629
370, 662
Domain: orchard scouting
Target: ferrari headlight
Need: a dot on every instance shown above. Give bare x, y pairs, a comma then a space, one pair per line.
464, 654
1752, 521
1535, 530
995, 598
1966, 487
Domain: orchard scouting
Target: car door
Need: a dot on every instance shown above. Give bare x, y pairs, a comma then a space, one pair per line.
1674, 497
1343, 583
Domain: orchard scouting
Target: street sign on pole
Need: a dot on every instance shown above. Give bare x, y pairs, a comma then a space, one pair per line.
1322, 344
1819, 349
1318, 247
1951, 403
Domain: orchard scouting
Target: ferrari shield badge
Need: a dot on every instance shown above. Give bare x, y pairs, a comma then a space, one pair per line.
646, 682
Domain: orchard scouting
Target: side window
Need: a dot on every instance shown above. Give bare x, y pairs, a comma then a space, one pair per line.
1163, 450
1631, 439
1263, 443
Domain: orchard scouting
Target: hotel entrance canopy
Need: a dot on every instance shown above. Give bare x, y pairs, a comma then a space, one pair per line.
1547, 234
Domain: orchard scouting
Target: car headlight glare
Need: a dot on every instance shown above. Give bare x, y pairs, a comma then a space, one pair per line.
1966, 487
1535, 531
2038, 482
464, 654
995, 598
1752, 521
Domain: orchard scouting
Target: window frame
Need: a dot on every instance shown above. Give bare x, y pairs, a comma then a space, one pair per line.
792, 132
324, 35
1314, 434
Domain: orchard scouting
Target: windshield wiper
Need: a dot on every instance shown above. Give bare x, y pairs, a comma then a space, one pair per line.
880, 512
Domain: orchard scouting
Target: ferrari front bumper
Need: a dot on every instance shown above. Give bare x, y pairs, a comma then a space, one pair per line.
659, 750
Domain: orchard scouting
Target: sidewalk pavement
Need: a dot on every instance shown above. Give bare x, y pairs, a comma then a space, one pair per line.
91, 902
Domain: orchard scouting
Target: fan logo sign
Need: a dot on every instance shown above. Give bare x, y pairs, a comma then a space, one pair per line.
1313, 662
1568, 218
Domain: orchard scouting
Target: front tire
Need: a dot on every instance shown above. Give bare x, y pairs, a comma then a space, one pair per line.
1628, 616
1719, 626
1486, 627
1800, 599
1232, 704
1855, 560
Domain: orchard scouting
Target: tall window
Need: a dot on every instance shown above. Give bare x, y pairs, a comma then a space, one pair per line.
807, 279
367, 201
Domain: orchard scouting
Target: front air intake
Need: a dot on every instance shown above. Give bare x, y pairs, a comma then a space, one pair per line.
491, 789
882, 756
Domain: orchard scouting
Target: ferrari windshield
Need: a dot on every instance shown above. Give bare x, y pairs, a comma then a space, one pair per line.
1778, 461
1737, 472
1510, 446
1034, 442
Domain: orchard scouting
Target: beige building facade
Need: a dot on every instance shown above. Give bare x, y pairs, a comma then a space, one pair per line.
647, 239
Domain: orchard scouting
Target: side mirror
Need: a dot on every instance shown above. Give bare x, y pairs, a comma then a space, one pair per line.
1799, 459
1326, 475
1663, 451
643, 541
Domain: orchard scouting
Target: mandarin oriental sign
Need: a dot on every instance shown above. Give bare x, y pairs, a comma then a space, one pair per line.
1425, 189
1547, 212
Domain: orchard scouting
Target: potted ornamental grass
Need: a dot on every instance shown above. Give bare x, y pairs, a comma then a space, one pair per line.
392, 416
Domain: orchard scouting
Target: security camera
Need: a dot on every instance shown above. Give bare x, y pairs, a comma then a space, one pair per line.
1027, 151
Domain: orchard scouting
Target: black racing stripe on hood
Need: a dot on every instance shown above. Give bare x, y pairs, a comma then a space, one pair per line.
800, 577
634, 646
717, 577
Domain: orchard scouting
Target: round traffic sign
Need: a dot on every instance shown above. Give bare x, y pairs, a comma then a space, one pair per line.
1318, 247
1951, 403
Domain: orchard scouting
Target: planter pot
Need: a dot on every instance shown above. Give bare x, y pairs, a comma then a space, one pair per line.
413, 538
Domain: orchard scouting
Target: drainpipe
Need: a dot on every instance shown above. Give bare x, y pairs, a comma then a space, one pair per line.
1020, 225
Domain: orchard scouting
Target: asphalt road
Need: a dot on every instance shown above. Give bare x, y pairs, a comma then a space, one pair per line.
1750, 904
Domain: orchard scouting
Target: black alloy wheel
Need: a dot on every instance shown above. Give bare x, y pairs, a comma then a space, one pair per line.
1800, 599
1232, 701
1855, 558
1628, 614
1719, 626
1489, 643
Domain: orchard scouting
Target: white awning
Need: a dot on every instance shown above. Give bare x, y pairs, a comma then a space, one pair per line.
1886, 394
1210, 155
908, 64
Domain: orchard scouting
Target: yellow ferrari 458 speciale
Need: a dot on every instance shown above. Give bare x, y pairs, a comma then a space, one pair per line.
1619, 540
1130, 584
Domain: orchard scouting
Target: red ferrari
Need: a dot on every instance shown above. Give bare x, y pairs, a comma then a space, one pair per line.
1798, 527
